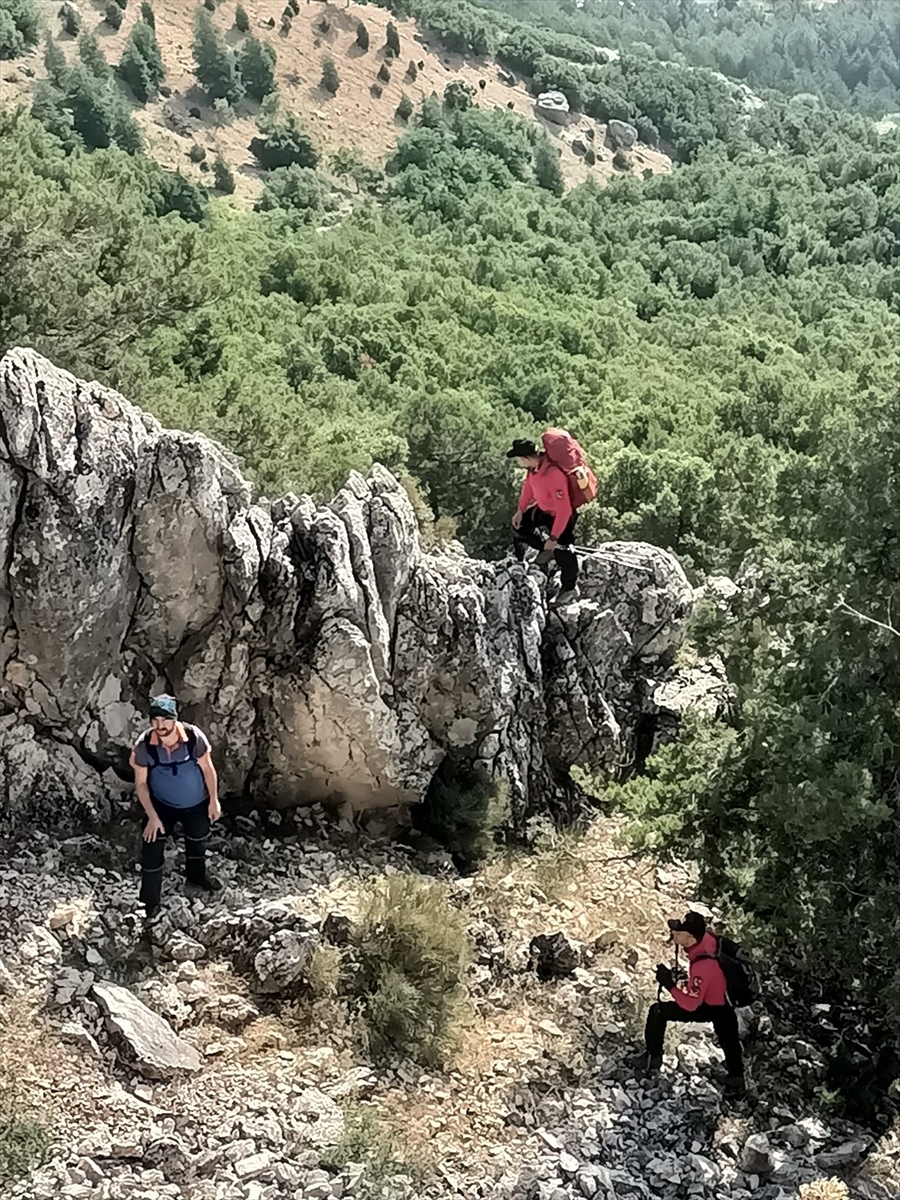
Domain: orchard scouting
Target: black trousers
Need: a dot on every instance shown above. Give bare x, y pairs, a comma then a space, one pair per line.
722, 1017
195, 824
527, 535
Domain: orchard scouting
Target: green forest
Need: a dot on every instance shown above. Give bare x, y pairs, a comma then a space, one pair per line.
724, 341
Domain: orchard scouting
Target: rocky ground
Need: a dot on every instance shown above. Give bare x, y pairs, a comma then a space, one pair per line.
209, 1056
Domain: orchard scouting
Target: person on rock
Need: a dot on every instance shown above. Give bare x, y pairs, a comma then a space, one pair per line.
545, 502
702, 997
176, 783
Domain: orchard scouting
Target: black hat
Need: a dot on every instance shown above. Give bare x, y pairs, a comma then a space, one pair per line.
523, 448
693, 923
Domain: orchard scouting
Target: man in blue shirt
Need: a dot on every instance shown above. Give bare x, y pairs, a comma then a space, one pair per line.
175, 781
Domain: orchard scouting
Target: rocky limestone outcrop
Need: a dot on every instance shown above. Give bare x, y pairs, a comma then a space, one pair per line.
326, 655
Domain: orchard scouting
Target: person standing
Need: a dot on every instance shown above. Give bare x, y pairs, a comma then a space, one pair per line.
545, 502
702, 997
176, 783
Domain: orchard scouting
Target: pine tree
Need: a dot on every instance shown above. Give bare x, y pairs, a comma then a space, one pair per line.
113, 15
223, 177
393, 38
362, 36
19, 25
92, 56
330, 78
547, 170
148, 16
256, 63
56, 64
71, 19
142, 65
216, 66
242, 24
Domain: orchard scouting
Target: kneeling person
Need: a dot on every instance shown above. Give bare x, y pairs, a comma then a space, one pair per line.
175, 782
702, 997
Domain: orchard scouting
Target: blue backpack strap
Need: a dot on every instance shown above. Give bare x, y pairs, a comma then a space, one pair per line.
152, 749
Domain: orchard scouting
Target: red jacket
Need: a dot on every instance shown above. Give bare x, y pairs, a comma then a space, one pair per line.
547, 487
705, 983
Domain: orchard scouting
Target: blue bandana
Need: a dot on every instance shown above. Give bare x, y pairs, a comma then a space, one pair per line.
164, 706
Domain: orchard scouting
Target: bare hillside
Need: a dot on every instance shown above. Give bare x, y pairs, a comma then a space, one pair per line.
353, 118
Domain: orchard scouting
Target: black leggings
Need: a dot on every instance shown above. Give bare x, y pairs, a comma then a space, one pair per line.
195, 824
722, 1017
527, 535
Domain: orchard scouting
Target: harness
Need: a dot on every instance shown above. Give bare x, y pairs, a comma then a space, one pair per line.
153, 751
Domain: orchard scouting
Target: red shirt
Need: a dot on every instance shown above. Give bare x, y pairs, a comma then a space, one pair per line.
705, 983
548, 487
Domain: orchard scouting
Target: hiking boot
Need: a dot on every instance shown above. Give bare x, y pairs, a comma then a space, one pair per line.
207, 884
150, 911
544, 557
645, 1064
735, 1086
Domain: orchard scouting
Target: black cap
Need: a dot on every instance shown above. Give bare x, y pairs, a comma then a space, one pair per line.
523, 448
693, 923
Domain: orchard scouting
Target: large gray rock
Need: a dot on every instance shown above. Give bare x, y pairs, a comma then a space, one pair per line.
327, 656
554, 106
148, 1041
621, 134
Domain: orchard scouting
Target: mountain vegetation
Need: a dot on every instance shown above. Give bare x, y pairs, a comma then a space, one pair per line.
725, 342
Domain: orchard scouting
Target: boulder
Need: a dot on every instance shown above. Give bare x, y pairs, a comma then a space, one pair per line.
282, 959
554, 106
321, 649
148, 1041
553, 956
756, 1156
621, 134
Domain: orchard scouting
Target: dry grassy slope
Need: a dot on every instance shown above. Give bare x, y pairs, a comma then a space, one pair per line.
353, 118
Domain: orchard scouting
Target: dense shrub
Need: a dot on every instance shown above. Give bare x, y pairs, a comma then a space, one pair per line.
330, 80
405, 108
19, 25
295, 189
113, 15
223, 177
241, 20
24, 1139
463, 809
197, 153
411, 948
283, 143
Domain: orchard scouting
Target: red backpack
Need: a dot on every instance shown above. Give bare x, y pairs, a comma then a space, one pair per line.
565, 452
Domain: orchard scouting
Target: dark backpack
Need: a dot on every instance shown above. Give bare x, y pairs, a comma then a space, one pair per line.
153, 751
741, 979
